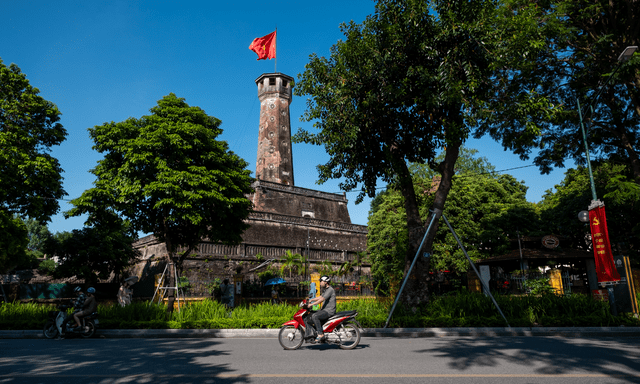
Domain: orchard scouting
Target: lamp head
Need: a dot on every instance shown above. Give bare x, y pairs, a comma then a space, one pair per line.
627, 53
583, 216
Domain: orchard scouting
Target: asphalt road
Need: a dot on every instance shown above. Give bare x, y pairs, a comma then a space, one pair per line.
375, 360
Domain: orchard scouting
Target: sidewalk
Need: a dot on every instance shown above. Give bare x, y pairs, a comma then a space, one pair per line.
368, 332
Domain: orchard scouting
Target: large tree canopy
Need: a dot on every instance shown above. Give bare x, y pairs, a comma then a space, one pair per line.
578, 60
167, 174
415, 78
30, 178
31, 181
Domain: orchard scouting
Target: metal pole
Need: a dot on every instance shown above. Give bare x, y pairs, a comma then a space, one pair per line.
484, 284
612, 299
307, 263
524, 278
586, 149
584, 135
176, 279
433, 218
159, 283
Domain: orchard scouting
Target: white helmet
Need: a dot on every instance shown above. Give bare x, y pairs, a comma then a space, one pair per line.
325, 278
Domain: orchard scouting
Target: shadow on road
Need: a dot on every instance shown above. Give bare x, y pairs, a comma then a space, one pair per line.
144, 361
325, 347
545, 355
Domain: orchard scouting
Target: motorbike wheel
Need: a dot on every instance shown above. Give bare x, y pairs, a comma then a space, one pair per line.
91, 331
290, 337
349, 335
50, 330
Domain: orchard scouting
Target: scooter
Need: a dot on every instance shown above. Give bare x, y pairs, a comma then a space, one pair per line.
56, 326
342, 329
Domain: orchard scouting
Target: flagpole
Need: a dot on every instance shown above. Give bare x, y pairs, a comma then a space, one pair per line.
275, 67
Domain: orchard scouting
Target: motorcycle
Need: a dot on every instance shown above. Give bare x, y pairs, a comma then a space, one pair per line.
342, 329
56, 324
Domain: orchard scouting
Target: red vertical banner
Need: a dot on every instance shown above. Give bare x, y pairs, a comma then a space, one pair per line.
605, 267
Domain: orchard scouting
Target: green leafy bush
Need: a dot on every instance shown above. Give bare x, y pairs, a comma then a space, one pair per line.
47, 267
539, 286
463, 309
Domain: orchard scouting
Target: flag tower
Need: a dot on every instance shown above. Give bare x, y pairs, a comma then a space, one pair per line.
275, 159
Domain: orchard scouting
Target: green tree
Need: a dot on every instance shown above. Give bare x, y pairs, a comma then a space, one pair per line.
93, 252
582, 40
167, 174
290, 262
416, 78
37, 234
31, 181
326, 268
387, 240
486, 210
559, 209
486, 213
344, 269
467, 162
303, 269
13, 242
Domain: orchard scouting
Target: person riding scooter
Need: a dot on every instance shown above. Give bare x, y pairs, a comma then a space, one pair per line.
78, 303
89, 306
328, 300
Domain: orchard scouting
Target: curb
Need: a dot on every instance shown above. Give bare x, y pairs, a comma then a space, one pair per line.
502, 331
368, 332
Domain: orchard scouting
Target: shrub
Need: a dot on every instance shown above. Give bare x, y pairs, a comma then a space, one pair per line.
462, 309
539, 286
47, 267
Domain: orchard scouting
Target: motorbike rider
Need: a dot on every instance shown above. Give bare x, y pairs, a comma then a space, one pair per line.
89, 306
77, 304
328, 300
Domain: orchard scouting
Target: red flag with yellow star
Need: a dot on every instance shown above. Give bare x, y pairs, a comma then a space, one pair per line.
265, 46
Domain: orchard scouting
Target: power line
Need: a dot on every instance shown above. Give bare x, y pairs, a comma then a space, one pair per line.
463, 176
491, 172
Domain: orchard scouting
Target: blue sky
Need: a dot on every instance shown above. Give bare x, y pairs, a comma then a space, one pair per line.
108, 61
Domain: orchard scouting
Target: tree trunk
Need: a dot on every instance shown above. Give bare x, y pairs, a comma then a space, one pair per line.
634, 161
416, 290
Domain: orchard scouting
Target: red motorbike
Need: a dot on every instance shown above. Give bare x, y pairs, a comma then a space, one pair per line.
342, 329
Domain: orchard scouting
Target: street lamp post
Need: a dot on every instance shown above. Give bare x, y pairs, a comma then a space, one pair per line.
598, 226
624, 56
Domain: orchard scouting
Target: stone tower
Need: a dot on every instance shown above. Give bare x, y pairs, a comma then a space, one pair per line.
275, 159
